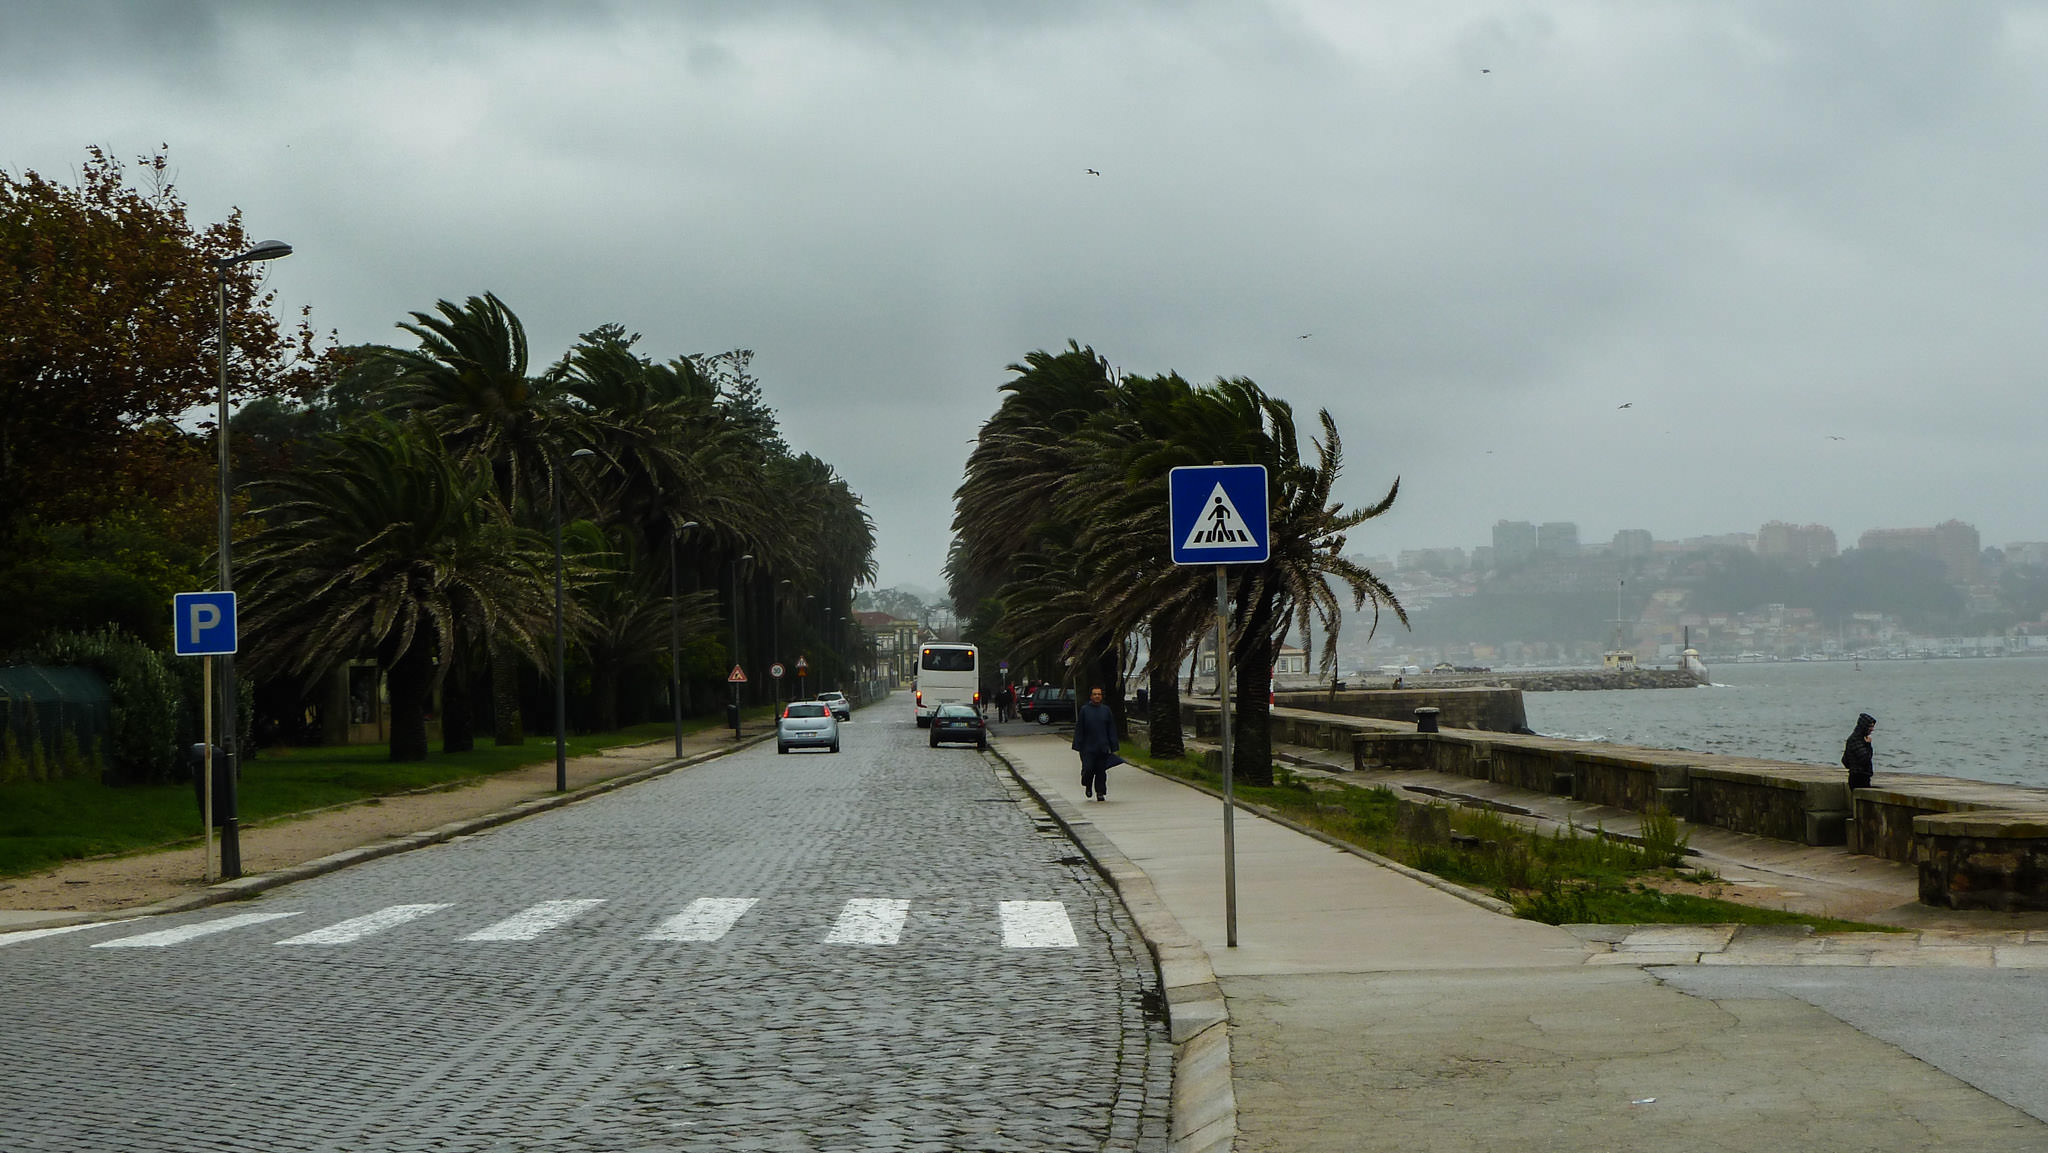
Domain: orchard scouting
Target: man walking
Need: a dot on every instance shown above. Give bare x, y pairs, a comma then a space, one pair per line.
1095, 739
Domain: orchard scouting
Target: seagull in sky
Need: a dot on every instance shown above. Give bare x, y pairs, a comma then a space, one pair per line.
1304, 336
1629, 404
1484, 71
1092, 172
1833, 437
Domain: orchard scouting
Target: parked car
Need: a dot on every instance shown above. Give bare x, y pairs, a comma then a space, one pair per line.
806, 724
842, 709
959, 723
1048, 703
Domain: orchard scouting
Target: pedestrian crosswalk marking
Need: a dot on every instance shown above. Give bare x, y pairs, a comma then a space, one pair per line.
707, 919
1219, 526
356, 928
184, 933
869, 921
1036, 925
861, 921
21, 935
529, 923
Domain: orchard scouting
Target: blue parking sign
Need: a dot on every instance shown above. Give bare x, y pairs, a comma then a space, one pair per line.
1218, 514
203, 624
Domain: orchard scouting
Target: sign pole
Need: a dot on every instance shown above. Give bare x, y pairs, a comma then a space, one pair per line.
206, 768
1229, 802
1220, 515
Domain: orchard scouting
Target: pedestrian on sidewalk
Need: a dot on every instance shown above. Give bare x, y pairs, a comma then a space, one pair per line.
1857, 755
1095, 739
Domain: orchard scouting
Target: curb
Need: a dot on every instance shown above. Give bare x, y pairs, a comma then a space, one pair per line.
1203, 1117
242, 888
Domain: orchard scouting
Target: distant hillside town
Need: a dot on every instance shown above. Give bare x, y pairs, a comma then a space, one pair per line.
1539, 596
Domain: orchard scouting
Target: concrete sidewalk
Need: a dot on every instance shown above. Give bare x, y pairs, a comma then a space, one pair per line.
1368, 1010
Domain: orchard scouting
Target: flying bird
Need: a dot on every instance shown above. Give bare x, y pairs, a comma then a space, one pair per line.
1832, 437
1092, 172
1629, 404
1304, 336
1484, 71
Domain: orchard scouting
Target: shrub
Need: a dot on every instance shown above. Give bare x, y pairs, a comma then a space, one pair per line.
1663, 841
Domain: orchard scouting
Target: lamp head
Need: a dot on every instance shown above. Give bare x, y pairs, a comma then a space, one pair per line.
264, 250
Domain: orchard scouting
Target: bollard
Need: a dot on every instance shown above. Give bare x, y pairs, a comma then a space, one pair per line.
1425, 720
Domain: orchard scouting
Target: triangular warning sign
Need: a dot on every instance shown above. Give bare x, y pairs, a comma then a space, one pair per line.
737, 676
1219, 526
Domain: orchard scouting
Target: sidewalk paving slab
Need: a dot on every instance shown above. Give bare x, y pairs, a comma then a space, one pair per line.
1367, 1010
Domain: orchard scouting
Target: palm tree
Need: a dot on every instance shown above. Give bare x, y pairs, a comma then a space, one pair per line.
469, 379
1293, 587
395, 546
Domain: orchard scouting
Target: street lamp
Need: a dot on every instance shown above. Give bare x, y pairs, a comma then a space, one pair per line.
737, 562
230, 825
775, 635
561, 670
675, 637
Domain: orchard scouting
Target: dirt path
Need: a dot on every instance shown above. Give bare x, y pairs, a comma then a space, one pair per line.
106, 884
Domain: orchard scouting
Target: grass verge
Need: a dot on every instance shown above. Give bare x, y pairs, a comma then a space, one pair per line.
48, 823
1576, 877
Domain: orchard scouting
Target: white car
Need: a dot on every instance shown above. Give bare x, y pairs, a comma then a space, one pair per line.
806, 724
842, 709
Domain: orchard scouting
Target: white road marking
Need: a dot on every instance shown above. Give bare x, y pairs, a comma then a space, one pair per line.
183, 933
706, 919
869, 921
356, 928
20, 935
527, 924
1036, 925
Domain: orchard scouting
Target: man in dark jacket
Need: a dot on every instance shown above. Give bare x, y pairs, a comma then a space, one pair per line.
1095, 739
1857, 754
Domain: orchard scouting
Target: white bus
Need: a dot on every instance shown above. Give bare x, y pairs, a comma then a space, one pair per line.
948, 673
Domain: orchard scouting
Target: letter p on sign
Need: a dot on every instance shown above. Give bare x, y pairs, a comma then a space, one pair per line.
203, 624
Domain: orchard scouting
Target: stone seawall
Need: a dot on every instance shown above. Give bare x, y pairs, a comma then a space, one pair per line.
1491, 708
1976, 844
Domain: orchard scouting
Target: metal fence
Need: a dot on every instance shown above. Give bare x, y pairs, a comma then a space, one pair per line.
54, 723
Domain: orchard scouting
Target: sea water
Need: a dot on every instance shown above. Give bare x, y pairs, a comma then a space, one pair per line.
1981, 720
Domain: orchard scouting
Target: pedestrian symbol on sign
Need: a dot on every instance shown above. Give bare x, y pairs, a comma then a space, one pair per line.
1219, 527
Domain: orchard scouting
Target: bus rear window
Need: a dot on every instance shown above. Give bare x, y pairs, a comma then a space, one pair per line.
949, 660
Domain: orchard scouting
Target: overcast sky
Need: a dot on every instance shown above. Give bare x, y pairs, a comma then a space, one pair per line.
1761, 226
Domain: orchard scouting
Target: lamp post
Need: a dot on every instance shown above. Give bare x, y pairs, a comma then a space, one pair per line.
775, 635
561, 669
736, 563
675, 637
230, 824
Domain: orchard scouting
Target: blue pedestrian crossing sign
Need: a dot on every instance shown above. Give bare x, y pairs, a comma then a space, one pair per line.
1218, 514
203, 624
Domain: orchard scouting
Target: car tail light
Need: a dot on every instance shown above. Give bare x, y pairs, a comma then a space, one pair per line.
977, 700
920, 697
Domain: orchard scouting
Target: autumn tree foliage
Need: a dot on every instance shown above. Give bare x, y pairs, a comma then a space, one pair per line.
108, 325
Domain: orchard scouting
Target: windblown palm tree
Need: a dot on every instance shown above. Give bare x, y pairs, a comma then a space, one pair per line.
396, 547
469, 380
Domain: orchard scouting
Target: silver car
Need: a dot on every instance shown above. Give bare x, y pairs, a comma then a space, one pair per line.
837, 702
806, 724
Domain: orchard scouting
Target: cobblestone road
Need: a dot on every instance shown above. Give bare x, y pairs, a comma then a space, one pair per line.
861, 951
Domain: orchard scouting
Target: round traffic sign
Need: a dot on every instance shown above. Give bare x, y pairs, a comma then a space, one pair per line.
775, 670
